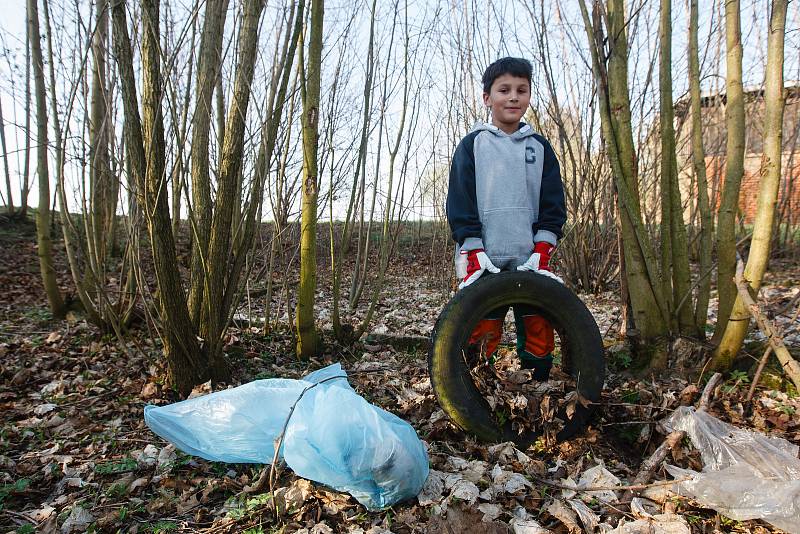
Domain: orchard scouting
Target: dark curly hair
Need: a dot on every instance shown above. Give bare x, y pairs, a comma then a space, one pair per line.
515, 66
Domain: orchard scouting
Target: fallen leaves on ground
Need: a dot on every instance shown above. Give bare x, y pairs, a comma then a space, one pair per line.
75, 453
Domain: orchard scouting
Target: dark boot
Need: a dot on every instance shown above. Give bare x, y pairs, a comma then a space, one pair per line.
534, 336
539, 365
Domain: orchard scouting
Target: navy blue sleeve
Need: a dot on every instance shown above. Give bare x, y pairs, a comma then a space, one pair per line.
462, 204
552, 207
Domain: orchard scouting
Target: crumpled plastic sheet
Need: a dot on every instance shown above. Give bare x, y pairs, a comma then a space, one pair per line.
655, 524
334, 436
746, 475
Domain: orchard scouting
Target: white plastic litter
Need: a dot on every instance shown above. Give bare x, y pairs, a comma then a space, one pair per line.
334, 436
599, 476
433, 488
745, 475
462, 489
657, 524
527, 526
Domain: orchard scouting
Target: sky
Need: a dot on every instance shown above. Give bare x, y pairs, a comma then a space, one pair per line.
508, 36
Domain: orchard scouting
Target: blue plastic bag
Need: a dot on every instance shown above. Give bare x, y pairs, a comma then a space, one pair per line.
334, 436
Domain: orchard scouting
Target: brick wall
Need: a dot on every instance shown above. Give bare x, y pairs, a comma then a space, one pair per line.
788, 193
714, 141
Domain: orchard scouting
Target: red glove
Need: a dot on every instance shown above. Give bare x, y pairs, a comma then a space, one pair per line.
539, 262
470, 265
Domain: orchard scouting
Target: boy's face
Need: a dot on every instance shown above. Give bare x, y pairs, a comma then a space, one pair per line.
508, 98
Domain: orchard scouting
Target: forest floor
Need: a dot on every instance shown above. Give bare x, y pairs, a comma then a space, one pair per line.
76, 455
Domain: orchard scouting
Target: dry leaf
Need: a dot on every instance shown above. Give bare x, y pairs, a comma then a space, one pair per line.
589, 519
77, 521
570, 519
149, 391
52, 338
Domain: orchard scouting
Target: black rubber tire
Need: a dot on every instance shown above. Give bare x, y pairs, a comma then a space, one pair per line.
581, 348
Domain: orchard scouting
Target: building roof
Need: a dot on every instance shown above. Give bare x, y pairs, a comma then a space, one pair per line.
715, 98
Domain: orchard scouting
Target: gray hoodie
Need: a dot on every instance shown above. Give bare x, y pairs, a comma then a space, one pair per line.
505, 193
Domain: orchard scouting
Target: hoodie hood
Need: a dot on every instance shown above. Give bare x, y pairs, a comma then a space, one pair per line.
524, 130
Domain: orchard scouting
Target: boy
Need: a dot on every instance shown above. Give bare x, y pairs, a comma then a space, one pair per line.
505, 207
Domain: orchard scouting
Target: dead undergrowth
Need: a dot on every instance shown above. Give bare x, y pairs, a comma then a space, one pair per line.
75, 455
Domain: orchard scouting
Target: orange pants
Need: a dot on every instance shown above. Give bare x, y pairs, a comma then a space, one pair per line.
534, 333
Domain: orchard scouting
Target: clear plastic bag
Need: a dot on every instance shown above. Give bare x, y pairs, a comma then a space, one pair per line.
745, 475
334, 436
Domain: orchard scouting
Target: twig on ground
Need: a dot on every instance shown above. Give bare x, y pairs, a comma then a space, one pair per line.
794, 300
763, 362
613, 323
270, 474
788, 363
627, 404
708, 391
630, 487
757, 376
642, 422
703, 370
651, 464
19, 519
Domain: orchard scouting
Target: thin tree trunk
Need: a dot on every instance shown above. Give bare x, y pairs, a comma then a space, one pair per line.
103, 192
649, 312
699, 164
386, 238
360, 280
87, 286
278, 212
678, 260
242, 245
220, 112
10, 201
208, 70
180, 340
278, 224
178, 176
220, 245
308, 342
102, 197
45, 244
26, 159
667, 151
145, 151
344, 334
758, 258
734, 168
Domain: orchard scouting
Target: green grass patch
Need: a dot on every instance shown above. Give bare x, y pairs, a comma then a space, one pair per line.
9, 489
112, 468
160, 527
